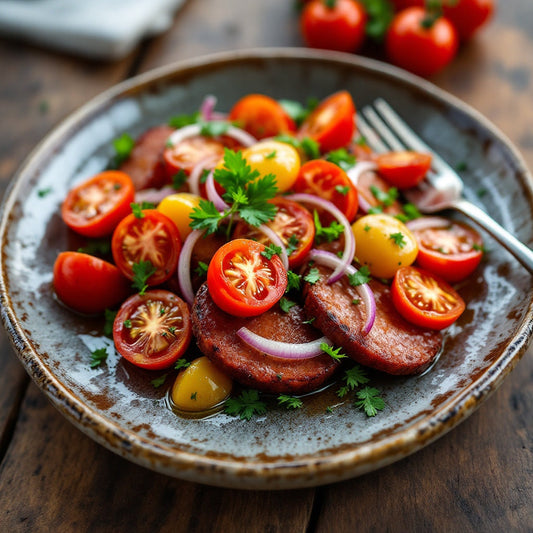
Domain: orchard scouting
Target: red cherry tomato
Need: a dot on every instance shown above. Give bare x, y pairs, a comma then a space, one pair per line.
403, 169
97, 205
293, 223
154, 238
261, 116
425, 299
244, 282
334, 25
88, 284
413, 44
331, 123
468, 16
152, 330
328, 181
191, 151
450, 249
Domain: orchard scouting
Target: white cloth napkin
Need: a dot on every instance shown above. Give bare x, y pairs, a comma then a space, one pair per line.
105, 29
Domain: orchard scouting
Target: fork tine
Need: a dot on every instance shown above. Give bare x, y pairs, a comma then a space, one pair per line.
377, 123
370, 135
411, 139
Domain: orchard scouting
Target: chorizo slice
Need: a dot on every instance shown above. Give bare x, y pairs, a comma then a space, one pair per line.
393, 345
216, 335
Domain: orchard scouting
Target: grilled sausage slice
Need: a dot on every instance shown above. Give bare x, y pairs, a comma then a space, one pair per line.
393, 345
216, 336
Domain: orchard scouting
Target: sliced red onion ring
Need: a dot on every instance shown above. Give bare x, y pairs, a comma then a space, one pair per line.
191, 130
274, 238
184, 265
207, 162
354, 174
285, 350
153, 196
423, 223
208, 106
212, 193
349, 239
331, 260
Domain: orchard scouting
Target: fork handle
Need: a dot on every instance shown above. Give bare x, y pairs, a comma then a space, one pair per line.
506, 239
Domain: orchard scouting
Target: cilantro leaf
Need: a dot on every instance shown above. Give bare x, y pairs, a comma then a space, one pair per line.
258, 210
398, 238
370, 401
353, 377
205, 216
179, 121
271, 250
334, 353
181, 363
312, 276
387, 198
293, 281
98, 357
201, 269
342, 158
286, 304
109, 317
292, 244
289, 402
328, 233
123, 146
141, 272
246, 405
360, 277
157, 382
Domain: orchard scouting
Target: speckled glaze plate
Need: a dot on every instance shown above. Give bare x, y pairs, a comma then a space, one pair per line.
117, 406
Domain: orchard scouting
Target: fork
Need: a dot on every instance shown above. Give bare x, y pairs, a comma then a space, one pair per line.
384, 131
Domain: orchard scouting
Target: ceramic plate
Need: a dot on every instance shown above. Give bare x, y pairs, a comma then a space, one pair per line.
116, 404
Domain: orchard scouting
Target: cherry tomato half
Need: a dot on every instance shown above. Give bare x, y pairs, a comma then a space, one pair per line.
418, 46
244, 282
88, 284
450, 249
338, 25
331, 123
261, 116
425, 299
293, 223
93, 208
468, 16
152, 237
152, 330
403, 169
327, 180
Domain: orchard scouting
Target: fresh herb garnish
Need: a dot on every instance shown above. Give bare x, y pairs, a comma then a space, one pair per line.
180, 121
109, 317
271, 250
289, 402
157, 382
137, 209
179, 179
328, 233
341, 158
353, 378
41, 193
201, 269
181, 363
246, 405
312, 276
141, 272
387, 198
360, 277
123, 146
334, 353
96, 247
309, 146
286, 304
380, 14
293, 281
398, 238
370, 401
214, 128
292, 244
297, 111
98, 357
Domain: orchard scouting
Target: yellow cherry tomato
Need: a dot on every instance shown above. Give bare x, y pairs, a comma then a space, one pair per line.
384, 244
200, 386
274, 157
178, 207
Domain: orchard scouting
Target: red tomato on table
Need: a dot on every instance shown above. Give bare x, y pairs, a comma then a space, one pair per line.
152, 330
403, 169
152, 238
425, 299
88, 284
331, 123
424, 48
327, 180
448, 248
468, 16
243, 281
94, 207
334, 24
261, 116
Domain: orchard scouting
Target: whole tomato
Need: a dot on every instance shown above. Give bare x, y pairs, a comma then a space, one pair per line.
419, 42
333, 24
468, 15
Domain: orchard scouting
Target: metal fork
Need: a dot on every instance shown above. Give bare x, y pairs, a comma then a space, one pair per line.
384, 131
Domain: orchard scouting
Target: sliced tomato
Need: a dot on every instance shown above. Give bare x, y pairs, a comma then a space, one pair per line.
152, 238
88, 284
93, 208
329, 181
425, 299
261, 116
243, 281
293, 223
331, 124
152, 330
403, 169
448, 248
376, 195
194, 150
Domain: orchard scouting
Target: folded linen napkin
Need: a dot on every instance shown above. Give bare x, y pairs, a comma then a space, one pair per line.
104, 29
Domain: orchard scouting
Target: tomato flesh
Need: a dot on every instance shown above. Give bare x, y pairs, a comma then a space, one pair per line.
152, 330
403, 169
331, 123
244, 282
97, 205
425, 299
152, 237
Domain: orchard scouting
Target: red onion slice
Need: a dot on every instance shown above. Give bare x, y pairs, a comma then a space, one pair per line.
354, 174
423, 223
349, 239
184, 265
274, 238
153, 196
191, 130
332, 261
212, 193
285, 350
207, 162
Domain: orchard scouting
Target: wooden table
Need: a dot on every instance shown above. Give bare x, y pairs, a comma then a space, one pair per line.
479, 477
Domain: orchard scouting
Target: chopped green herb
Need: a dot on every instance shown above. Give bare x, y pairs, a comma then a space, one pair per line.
98, 357
193, 395
292, 244
387, 198
41, 193
461, 166
109, 317
246, 405
328, 233
180, 121
181, 363
157, 382
289, 402
380, 14
309, 320
343, 190
271, 155
398, 238
360, 277
370, 401
341, 158
353, 378
96, 247
334, 353
214, 128
286, 304
137, 209
123, 146
293, 281
410, 212
141, 272
179, 179
127, 323
201, 269
297, 111
356, 301
312, 276
271, 250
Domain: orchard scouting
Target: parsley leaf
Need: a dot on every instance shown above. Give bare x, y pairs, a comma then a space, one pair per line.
370, 401
137, 209
293, 281
183, 120
214, 128
271, 250
297, 111
96, 247
181, 363
410, 212
309, 146
342, 158
201, 269
292, 244
141, 272
157, 382
41, 193
360, 277
286, 304
98, 357
354, 377
123, 146
109, 317
328, 233
312, 276
205, 216
387, 198
246, 405
289, 402
335, 353
398, 238
179, 179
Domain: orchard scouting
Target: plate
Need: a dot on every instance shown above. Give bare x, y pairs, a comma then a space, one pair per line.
116, 404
